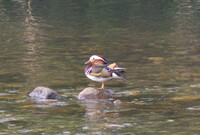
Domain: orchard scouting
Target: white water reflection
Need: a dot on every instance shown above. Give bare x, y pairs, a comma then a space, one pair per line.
33, 43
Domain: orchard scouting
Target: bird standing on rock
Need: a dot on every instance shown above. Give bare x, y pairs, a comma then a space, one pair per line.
98, 70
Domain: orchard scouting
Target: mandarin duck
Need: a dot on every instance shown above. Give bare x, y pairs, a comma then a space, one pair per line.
98, 70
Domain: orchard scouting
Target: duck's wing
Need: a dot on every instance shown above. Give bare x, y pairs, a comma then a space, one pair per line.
100, 71
105, 71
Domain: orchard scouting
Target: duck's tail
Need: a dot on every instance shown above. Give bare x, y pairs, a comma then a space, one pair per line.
121, 75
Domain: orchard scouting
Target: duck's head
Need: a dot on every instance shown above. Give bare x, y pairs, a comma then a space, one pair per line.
96, 60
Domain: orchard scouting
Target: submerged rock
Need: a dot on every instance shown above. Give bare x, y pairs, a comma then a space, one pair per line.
93, 93
43, 93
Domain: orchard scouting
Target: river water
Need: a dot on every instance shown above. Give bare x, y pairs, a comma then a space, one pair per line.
46, 43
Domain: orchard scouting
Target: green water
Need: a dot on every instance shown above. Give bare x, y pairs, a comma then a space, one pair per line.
46, 43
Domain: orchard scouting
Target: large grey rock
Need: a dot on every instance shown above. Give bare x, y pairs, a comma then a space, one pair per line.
93, 93
43, 93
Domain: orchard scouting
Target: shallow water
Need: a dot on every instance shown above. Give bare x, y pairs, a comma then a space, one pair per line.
46, 43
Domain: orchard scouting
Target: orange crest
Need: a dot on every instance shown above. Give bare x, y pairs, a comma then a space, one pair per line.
112, 66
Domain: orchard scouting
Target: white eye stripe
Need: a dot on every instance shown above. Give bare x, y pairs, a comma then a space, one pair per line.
93, 57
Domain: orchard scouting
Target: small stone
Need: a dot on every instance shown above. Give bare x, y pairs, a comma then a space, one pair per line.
43, 93
117, 102
93, 93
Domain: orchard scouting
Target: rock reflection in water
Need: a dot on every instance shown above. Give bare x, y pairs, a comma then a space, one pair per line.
99, 112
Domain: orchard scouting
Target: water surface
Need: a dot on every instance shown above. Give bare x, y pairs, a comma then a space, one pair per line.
46, 43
